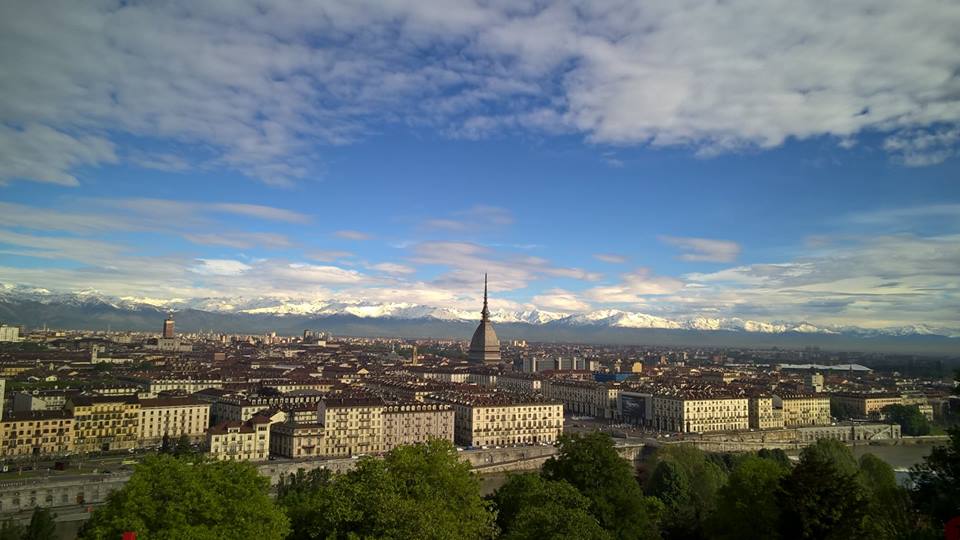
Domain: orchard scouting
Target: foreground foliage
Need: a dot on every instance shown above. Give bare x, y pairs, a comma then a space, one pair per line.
422, 491
168, 498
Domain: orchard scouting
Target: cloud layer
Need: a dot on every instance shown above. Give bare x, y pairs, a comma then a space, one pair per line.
258, 88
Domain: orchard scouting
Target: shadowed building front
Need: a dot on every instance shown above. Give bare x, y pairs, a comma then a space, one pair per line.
484, 347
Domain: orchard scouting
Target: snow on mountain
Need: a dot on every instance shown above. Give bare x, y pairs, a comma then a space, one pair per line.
613, 318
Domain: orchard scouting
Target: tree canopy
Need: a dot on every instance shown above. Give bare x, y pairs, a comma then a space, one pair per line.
421, 491
172, 499
912, 421
590, 463
531, 508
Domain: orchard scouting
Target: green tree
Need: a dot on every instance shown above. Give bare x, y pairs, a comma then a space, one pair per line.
912, 421
531, 508
168, 498
843, 411
422, 491
835, 452
777, 455
10, 530
747, 505
822, 498
936, 481
42, 525
591, 464
891, 514
184, 447
691, 498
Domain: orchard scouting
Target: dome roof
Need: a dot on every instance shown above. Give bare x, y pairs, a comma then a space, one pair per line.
485, 346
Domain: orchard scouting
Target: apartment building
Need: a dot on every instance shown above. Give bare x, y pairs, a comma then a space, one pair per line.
524, 383
801, 410
763, 415
104, 423
173, 417
352, 425
503, 418
36, 433
296, 439
412, 423
240, 441
581, 397
700, 412
865, 404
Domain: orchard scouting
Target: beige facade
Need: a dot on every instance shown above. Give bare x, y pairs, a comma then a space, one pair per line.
763, 415
104, 423
296, 440
584, 397
801, 410
693, 413
526, 383
351, 425
240, 441
36, 433
412, 423
864, 405
503, 419
173, 417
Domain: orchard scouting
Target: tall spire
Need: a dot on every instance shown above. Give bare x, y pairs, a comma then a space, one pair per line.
486, 312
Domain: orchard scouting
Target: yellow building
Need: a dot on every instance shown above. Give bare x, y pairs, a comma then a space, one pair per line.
699, 412
865, 404
172, 417
352, 425
293, 439
36, 433
104, 423
240, 441
801, 410
503, 418
763, 415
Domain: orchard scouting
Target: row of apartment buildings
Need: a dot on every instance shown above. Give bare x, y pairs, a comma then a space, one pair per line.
101, 423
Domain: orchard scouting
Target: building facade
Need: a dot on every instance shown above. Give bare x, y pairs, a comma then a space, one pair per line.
105, 423
240, 441
173, 417
801, 410
36, 433
503, 419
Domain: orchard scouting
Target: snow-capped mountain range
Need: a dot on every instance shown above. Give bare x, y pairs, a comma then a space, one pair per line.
610, 318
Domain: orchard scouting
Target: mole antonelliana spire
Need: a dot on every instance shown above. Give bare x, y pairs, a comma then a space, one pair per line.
485, 347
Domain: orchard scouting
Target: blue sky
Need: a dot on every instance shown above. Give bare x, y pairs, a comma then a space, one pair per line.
678, 159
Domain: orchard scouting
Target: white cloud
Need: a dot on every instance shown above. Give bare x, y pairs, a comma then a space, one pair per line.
393, 268
919, 148
560, 300
328, 255
43, 154
240, 240
251, 85
635, 288
479, 218
353, 235
704, 249
467, 262
610, 258
220, 267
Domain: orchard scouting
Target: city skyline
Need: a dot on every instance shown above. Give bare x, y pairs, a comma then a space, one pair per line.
761, 164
